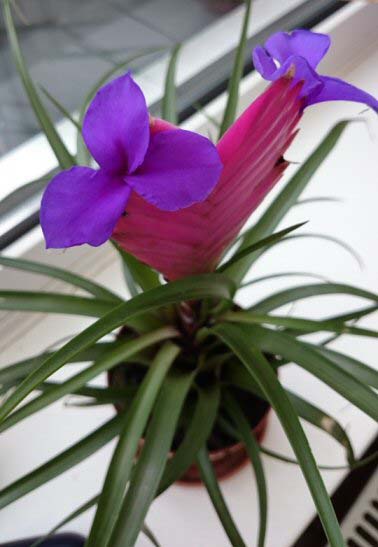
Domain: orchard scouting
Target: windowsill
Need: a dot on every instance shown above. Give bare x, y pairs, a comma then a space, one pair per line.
350, 173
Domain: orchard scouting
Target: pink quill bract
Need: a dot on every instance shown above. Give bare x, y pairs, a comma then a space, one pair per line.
192, 240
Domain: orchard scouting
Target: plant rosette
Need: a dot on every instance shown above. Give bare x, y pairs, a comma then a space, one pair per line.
225, 453
190, 366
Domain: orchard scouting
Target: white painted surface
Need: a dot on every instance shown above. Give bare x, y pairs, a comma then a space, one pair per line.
183, 516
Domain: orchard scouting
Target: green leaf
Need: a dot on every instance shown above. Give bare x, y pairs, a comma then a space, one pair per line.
148, 533
199, 108
308, 358
62, 462
64, 275
153, 459
236, 337
69, 518
140, 273
64, 158
287, 296
256, 280
191, 288
325, 237
253, 450
98, 395
30, 301
61, 109
210, 480
77, 513
19, 195
230, 430
196, 435
239, 377
341, 318
304, 325
256, 246
322, 420
285, 200
168, 107
236, 75
359, 370
111, 359
319, 199
118, 473
12, 373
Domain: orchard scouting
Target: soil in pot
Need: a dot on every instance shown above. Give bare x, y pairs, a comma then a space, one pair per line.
226, 455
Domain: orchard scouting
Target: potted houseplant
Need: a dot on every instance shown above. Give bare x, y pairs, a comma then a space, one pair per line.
191, 374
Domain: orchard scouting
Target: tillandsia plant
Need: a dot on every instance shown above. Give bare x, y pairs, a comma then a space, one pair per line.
191, 373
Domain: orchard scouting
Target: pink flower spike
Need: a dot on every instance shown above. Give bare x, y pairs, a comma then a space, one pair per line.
192, 240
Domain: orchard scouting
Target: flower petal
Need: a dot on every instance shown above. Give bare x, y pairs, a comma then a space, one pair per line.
295, 67
82, 205
312, 46
192, 240
116, 126
180, 168
335, 89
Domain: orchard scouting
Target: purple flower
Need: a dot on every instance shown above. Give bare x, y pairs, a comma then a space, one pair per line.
172, 169
298, 54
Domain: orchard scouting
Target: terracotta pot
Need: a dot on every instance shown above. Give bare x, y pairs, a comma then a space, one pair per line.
228, 460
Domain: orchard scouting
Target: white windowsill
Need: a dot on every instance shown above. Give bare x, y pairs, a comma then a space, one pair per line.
183, 517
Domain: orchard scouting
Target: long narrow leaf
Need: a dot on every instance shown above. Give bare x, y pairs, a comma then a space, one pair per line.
325, 237
19, 195
30, 301
122, 461
199, 430
285, 200
64, 275
151, 464
238, 376
253, 451
169, 108
308, 358
16, 371
61, 109
287, 296
230, 430
141, 274
210, 480
113, 358
69, 518
353, 316
235, 337
64, 158
266, 241
62, 462
204, 286
256, 280
237, 73
298, 323
355, 367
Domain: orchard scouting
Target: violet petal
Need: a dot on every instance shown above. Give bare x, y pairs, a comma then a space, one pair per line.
116, 126
82, 205
312, 46
181, 168
335, 89
296, 66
